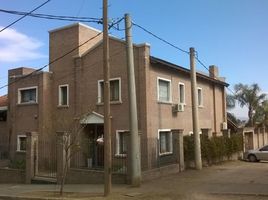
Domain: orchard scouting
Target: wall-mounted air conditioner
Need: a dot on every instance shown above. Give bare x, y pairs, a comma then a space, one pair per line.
178, 107
224, 126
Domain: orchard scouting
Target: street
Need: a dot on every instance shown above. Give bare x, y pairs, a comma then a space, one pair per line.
234, 180
231, 180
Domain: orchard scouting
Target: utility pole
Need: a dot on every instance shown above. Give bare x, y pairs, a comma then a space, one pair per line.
134, 150
197, 146
107, 114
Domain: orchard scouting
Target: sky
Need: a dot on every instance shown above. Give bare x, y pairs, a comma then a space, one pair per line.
232, 34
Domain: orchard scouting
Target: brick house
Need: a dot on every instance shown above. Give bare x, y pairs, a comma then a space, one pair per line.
3, 126
72, 89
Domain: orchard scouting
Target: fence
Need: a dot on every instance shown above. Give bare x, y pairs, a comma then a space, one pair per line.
90, 156
260, 137
45, 159
152, 157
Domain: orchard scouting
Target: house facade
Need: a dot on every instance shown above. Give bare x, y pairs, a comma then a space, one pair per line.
3, 127
71, 92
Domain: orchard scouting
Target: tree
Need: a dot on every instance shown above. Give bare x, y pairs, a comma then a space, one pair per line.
71, 144
249, 95
261, 115
230, 101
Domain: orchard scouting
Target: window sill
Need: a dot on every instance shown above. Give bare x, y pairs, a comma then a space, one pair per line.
120, 155
165, 102
166, 154
201, 106
111, 103
63, 106
20, 151
27, 104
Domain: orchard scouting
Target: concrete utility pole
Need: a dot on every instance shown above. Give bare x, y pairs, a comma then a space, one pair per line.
134, 150
196, 129
107, 117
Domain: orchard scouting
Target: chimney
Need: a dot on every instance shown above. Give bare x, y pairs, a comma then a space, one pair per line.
213, 71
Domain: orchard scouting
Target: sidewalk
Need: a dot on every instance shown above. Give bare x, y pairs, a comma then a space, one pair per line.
38, 192
232, 180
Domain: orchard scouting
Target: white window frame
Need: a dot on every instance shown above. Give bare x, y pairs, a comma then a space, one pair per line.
179, 91
117, 142
28, 88
170, 144
170, 90
99, 90
18, 142
60, 95
202, 97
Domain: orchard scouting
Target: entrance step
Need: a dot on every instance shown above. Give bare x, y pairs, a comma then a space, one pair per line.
44, 180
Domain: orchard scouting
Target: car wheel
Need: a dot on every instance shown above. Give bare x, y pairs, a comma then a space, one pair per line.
252, 158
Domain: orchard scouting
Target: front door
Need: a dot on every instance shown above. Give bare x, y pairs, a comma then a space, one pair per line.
96, 134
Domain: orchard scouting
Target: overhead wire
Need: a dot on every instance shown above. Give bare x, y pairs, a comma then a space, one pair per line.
24, 15
163, 40
51, 62
60, 57
202, 64
180, 49
54, 17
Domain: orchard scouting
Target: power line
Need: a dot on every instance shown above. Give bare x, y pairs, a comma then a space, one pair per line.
201, 63
53, 61
93, 64
163, 40
54, 17
25, 15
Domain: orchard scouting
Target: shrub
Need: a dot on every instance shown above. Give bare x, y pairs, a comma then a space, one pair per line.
17, 164
213, 149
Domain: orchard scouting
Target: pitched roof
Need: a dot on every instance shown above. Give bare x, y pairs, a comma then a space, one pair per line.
185, 70
3, 101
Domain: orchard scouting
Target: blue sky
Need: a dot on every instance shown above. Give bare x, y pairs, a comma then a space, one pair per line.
232, 34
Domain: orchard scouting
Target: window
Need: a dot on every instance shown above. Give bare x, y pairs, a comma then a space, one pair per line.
27, 95
200, 97
121, 143
3, 114
21, 143
181, 93
165, 142
63, 95
115, 90
164, 90
265, 148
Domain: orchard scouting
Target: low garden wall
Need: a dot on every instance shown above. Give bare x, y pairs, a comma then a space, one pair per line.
160, 172
84, 176
8, 175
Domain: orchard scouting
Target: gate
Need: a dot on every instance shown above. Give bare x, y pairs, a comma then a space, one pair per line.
45, 159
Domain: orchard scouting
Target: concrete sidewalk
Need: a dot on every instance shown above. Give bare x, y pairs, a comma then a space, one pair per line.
48, 191
232, 180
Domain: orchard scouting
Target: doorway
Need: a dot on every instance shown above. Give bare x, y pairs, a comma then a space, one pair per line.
95, 134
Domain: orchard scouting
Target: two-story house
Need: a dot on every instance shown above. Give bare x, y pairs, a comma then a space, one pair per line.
3, 127
72, 92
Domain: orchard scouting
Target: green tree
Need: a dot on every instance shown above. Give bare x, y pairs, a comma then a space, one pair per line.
261, 115
230, 101
249, 95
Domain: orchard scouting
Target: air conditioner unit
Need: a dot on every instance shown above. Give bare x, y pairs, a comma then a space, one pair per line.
224, 126
178, 107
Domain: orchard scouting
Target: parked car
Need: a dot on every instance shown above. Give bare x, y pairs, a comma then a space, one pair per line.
257, 155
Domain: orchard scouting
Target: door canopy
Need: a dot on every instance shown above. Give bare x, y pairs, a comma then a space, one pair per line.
92, 118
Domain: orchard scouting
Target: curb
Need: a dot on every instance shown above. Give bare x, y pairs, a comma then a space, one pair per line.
240, 194
3, 197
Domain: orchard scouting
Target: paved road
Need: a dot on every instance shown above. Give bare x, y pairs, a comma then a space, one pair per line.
232, 180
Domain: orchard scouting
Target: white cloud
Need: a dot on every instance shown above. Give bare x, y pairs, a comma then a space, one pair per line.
16, 46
